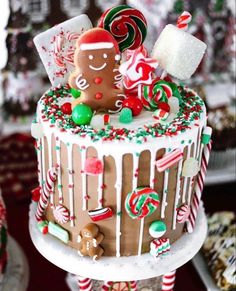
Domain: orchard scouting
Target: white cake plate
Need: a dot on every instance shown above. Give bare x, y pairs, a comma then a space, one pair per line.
123, 268
16, 277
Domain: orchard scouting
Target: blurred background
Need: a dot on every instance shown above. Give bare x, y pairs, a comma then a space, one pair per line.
23, 80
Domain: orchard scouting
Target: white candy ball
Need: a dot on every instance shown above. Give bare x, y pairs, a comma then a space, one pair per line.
174, 104
97, 122
190, 168
36, 130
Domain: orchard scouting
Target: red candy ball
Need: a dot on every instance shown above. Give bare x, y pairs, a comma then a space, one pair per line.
66, 108
164, 106
133, 103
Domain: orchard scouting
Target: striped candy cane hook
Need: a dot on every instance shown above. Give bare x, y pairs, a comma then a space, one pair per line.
46, 191
198, 188
85, 284
168, 281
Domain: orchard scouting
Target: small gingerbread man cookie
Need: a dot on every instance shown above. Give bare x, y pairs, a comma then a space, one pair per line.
89, 241
97, 61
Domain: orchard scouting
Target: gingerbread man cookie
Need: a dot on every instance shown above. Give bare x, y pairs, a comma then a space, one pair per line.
89, 241
97, 76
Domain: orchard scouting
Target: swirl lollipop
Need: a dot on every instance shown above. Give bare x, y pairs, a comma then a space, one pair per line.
141, 202
127, 25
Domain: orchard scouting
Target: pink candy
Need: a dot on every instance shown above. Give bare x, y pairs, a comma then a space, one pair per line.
93, 166
169, 160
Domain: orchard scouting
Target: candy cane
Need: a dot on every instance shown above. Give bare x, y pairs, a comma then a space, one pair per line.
169, 160
198, 188
58, 44
183, 20
85, 284
47, 189
72, 35
168, 281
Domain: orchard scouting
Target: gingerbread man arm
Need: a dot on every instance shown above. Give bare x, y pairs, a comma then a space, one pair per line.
77, 81
99, 238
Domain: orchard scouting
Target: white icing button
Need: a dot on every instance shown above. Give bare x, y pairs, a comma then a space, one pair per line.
90, 57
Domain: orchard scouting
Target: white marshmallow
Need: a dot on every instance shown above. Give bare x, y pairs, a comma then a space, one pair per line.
178, 52
46, 45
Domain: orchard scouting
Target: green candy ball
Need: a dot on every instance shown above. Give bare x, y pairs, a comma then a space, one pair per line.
75, 93
82, 114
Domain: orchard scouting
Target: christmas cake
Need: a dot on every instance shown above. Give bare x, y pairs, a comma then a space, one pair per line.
122, 149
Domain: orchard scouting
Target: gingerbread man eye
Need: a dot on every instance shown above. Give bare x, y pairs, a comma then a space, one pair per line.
105, 56
90, 57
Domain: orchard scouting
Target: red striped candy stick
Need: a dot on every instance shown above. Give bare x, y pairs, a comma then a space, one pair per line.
133, 285
183, 20
85, 284
168, 281
198, 188
46, 191
169, 160
106, 286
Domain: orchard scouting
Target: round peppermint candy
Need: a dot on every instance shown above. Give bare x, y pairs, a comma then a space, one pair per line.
61, 214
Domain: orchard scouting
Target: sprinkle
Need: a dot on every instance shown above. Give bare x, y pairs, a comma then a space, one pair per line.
189, 113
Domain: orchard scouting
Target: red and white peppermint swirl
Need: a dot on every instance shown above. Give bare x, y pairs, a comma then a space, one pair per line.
46, 191
61, 214
183, 20
183, 213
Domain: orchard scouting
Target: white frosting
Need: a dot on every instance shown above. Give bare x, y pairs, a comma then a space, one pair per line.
58, 161
71, 182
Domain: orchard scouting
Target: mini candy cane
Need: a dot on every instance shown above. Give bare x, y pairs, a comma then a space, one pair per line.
198, 188
58, 44
61, 214
168, 281
85, 284
142, 202
169, 160
47, 189
183, 20
183, 213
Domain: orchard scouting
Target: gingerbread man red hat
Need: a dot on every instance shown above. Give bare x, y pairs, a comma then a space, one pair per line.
97, 38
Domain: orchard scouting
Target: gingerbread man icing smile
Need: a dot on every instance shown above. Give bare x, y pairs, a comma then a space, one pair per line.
96, 75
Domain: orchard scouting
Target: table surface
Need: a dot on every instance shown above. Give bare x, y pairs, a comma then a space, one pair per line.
46, 276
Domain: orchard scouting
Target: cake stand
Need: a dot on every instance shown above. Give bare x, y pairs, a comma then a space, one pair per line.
123, 268
16, 277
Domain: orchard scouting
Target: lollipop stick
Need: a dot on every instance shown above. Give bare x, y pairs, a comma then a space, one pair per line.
139, 91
